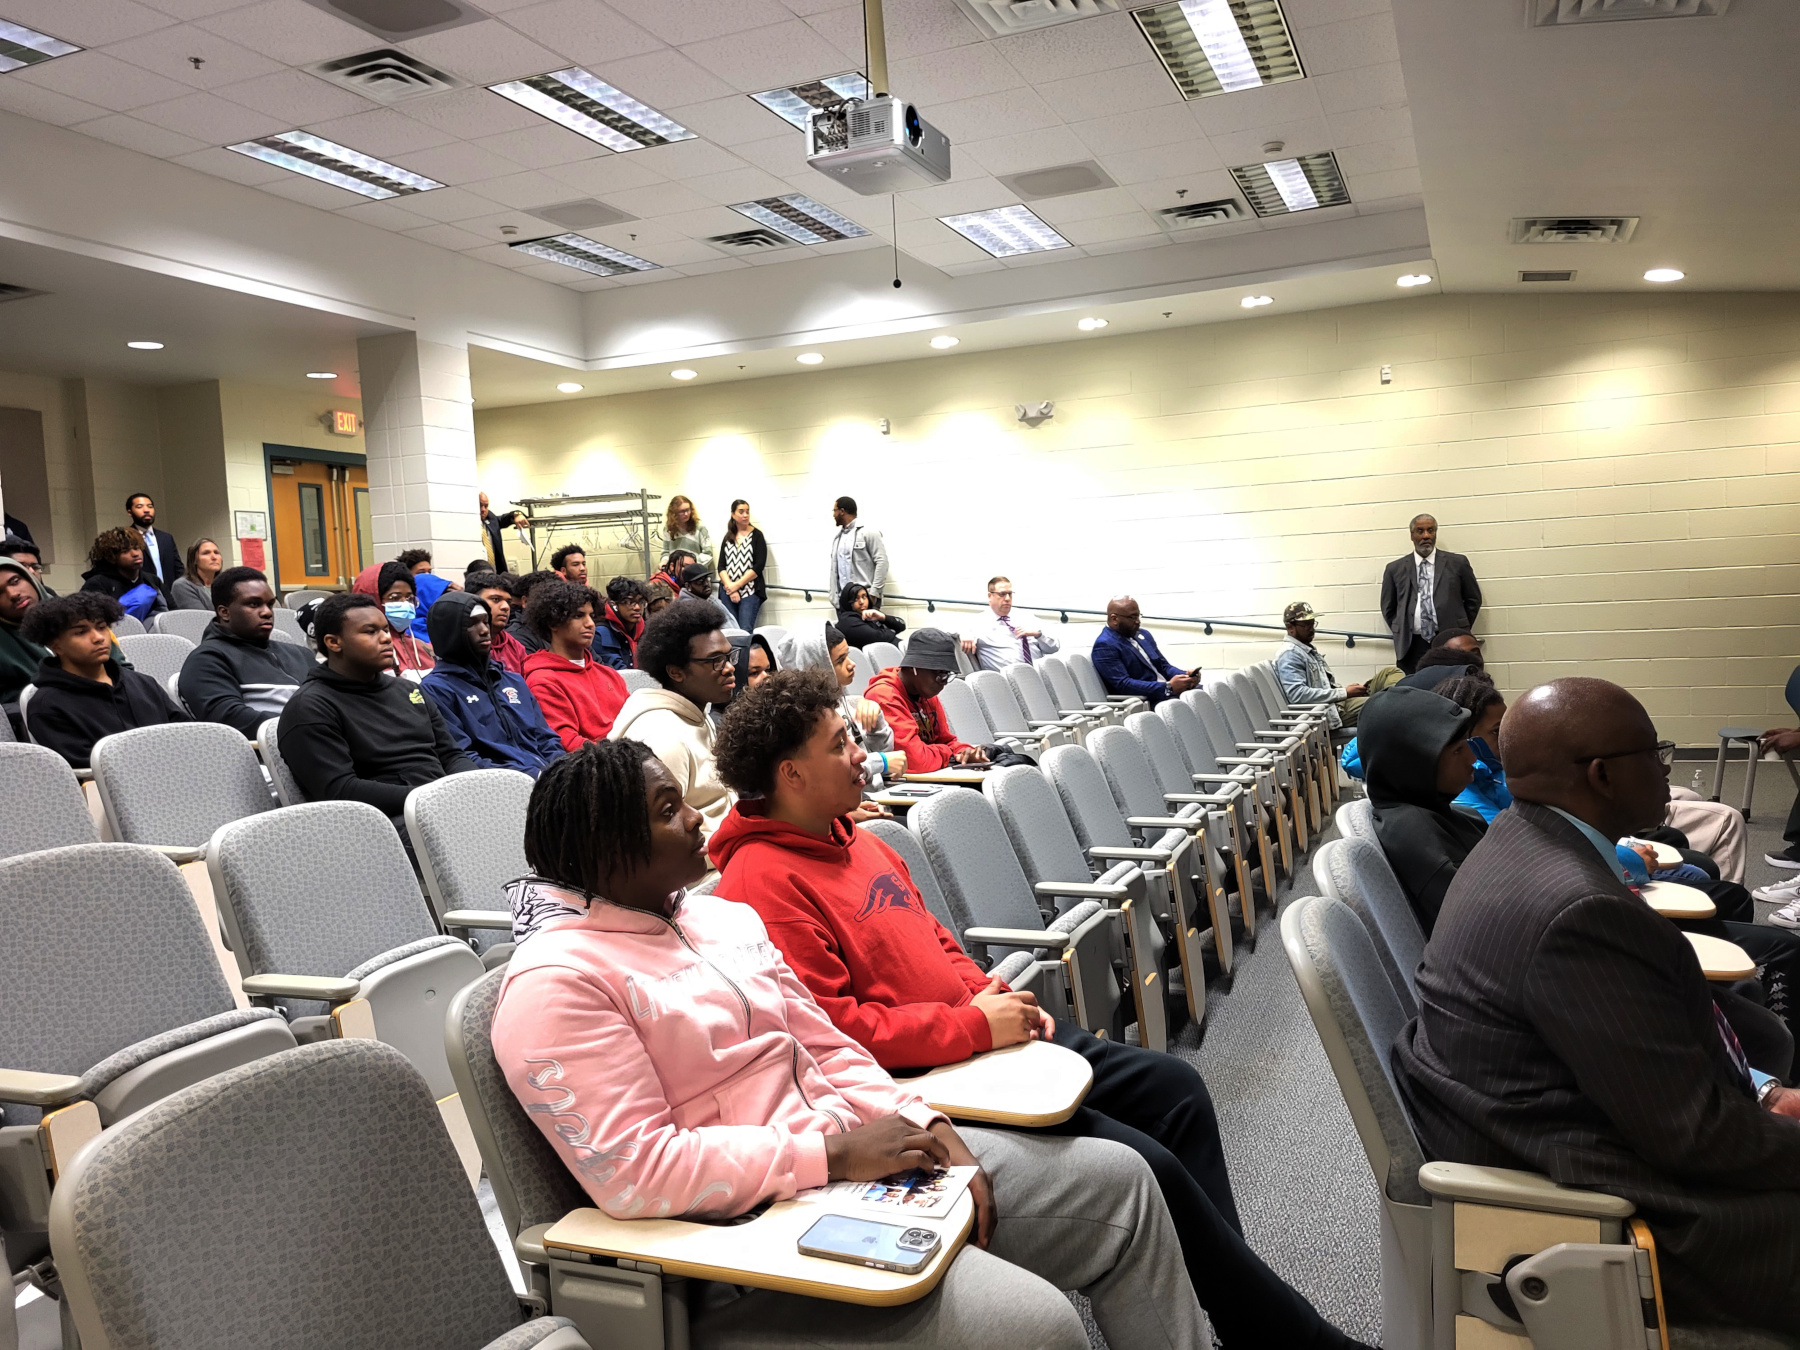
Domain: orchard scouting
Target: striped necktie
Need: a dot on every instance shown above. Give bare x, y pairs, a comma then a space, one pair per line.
1024, 643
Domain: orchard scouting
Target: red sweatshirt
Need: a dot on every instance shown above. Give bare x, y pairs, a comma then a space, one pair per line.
580, 699
509, 652
854, 928
920, 729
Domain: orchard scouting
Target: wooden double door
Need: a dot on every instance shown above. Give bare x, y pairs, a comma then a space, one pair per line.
320, 514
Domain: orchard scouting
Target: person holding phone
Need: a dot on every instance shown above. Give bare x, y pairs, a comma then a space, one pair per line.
679, 1069
1129, 661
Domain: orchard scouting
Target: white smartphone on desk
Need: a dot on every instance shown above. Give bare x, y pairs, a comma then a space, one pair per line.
864, 1242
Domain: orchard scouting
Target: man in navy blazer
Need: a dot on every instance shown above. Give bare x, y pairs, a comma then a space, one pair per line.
163, 563
1129, 662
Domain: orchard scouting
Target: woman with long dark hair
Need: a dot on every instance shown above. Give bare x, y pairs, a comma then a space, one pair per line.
743, 560
860, 622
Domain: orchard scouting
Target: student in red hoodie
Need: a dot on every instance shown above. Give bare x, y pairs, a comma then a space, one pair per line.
844, 912
494, 589
908, 697
579, 694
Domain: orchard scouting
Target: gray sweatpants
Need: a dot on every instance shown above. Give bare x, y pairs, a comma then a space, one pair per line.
1080, 1214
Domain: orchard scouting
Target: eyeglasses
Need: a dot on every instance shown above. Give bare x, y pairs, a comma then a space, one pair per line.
1004, 595
714, 663
1629, 754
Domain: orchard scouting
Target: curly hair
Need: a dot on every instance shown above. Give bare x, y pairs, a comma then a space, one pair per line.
1475, 691
556, 602
675, 504
108, 545
588, 817
477, 582
561, 556
668, 637
525, 585
390, 573
768, 724
46, 622
621, 589
413, 557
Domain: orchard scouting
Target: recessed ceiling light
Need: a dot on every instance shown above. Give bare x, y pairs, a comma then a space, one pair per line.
810, 358
796, 102
568, 387
801, 219
145, 346
22, 46
1304, 183
1091, 325
944, 342
1663, 274
591, 107
1006, 231
1256, 301
1216, 47
683, 374
321, 374
590, 255
1414, 279
304, 153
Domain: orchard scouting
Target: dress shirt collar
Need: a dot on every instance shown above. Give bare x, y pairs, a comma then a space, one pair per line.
1598, 840
1420, 559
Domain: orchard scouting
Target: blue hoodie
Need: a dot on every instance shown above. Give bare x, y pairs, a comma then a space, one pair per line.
490, 713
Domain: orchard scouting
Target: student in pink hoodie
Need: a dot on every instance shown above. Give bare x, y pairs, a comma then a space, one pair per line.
679, 1068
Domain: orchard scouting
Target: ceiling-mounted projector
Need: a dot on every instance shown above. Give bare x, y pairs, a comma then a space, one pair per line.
876, 145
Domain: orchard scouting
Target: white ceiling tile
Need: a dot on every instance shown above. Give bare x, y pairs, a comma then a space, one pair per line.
383, 132
1130, 244
1104, 229
742, 185
290, 31
450, 204
1069, 49
659, 199
1378, 156
587, 283
805, 8
1297, 138
1293, 220
683, 21
98, 78
296, 98
702, 224
522, 191
1162, 161
675, 252
540, 147
448, 236
625, 278
582, 30
195, 9
828, 190
1027, 150
732, 120
943, 254
459, 163
767, 58
556, 273
961, 72
954, 199
1085, 206
664, 79
1014, 109
688, 159
168, 51
87, 23
46, 105
309, 191
921, 26
1141, 130
209, 118
501, 256
386, 216
527, 225
604, 175
969, 268
221, 163
784, 155
1124, 89
1370, 124
1049, 257
485, 53
842, 27
469, 114
701, 269
1155, 194
1312, 13
1255, 109
1369, 187
1351, 44
126, 130
1379, 86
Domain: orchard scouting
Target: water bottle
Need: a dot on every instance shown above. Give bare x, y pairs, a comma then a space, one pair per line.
1698, 791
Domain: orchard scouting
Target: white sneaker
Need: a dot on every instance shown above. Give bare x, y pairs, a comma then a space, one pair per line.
1787, 917
1779, 892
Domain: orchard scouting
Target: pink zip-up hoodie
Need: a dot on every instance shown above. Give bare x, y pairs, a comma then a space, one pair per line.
676, 1064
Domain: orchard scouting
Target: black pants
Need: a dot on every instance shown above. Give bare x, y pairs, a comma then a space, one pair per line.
1158, 1106
1414, 650
1792, 832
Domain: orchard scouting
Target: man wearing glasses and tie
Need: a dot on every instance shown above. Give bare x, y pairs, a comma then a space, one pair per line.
1426, 590
1010, 636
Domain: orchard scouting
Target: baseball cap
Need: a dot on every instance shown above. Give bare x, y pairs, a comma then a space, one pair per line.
1298, 612
692, 573
930, 649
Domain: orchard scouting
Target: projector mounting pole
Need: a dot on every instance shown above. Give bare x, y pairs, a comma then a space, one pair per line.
875, 47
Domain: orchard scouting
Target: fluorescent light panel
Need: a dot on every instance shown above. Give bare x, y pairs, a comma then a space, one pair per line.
304, 153
589, 106
796, 103
1282, 186
1006, 231
1221, 46
590, 255
21, 46
801, 219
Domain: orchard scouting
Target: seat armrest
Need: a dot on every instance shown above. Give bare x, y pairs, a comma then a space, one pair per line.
1122, 853
1192, 824
38, 1089
1237, 779
1086, 890
1281, 738
478, 918
1510, 1189
178, 854
325, 988
1260, 761
1206, 798
528, 1246
1014, 937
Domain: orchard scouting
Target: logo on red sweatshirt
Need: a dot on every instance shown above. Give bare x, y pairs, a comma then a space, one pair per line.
887, 891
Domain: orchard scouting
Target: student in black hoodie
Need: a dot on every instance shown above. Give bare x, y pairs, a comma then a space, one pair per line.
116, 570
82, 693
1416, 757
353, 731
237, 675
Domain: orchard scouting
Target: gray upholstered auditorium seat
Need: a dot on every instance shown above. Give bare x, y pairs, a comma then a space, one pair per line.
1356, 872
171, 787
866, 670
1263, 763
308, 1200
1007, 717
1093, 688
468, 833
883, 654
1356, 820
325, 891
127, 626
968, 723
1289, 750
182, 623
1033, 696
159, 654
1067, 694
287, 625
45, 806
268, 745
639, 679
1243, 817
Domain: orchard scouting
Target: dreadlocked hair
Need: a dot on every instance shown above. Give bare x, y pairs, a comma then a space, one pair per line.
1475, 691
768, 724
588, 817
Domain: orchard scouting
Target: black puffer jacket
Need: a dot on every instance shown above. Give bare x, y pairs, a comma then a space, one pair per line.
68, 713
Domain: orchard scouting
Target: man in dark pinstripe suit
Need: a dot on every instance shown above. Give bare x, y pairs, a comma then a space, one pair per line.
1566, 1028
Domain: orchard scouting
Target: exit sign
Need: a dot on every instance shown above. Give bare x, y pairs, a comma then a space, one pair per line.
341, 423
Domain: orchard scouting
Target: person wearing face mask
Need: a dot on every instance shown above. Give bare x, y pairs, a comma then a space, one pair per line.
395, 589
491, 712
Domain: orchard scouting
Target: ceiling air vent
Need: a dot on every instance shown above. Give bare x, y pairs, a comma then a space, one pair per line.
1060, 181
1001, 17
11, 292
1546, 276
1564, 13
1573, 229
385, 75
582, 214
399, 20
1192, 215
751, 241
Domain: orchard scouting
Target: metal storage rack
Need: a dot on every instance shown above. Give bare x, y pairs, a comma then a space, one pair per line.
625, 528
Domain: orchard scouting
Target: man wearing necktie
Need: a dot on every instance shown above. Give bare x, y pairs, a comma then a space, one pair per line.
1425, 591
1007, 638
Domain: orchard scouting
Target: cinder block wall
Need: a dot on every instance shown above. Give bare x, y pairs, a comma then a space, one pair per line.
1623, 470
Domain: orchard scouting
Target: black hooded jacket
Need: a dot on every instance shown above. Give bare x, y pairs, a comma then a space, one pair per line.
1400, 735
239, 682
69, 713
109, 581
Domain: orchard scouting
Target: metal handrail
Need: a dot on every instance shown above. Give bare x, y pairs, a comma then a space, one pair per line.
1063, 611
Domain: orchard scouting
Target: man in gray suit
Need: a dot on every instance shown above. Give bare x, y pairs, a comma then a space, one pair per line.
1565, 1027
1426, 590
